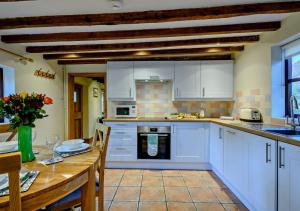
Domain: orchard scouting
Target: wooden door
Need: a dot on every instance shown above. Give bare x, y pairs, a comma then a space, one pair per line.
78, 121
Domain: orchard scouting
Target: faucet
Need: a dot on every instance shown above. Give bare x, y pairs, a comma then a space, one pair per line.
293, 102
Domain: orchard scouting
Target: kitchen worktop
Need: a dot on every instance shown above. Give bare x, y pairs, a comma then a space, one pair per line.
253, 128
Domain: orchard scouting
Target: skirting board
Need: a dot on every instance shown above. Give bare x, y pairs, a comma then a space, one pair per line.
158, 165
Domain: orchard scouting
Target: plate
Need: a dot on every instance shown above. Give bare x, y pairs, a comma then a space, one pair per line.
72, 148
10, 146
73, 142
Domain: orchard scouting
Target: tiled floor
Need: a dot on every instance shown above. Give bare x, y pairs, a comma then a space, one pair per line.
172, 190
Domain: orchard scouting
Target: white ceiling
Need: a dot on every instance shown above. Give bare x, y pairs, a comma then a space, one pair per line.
67, 7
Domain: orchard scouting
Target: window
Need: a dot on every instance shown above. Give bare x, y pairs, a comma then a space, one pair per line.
292, 82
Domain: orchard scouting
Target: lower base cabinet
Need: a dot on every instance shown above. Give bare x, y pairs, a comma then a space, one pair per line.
288, 177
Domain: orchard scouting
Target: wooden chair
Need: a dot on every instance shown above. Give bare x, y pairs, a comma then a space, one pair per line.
11, 163
102, 133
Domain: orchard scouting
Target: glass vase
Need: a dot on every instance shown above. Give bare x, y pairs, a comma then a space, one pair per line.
25, 143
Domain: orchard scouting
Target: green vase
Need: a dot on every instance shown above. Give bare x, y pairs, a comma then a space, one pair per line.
25, 143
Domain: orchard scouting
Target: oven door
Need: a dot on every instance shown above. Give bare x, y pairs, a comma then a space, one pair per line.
164, 146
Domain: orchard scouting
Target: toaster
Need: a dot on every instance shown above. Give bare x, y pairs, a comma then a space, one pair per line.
250, 115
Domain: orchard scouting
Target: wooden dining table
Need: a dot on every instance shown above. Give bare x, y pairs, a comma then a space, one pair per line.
58, 180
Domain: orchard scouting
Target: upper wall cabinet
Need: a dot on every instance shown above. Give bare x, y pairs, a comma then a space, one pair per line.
154, 70
217, 79
187, 80
120, 81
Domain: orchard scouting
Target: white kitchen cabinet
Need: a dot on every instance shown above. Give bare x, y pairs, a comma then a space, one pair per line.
217, 79
288, 177
191, 142
262, 172
120, 81
217, 147
154, 70
236, 159
187, 80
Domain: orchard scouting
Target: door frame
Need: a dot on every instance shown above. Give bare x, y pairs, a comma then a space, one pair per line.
71, 84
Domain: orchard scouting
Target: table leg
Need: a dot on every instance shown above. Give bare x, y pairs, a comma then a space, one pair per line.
88, 192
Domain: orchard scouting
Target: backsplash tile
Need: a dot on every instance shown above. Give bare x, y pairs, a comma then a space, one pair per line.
155, 100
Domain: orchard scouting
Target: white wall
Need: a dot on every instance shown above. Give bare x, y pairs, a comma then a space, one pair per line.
26, 81
253, 68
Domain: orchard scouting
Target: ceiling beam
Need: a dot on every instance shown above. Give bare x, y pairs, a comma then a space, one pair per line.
139, 34
141, 45
104, 61
146, 54
151, 16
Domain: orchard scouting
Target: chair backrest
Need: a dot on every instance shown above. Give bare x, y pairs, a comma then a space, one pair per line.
11, 163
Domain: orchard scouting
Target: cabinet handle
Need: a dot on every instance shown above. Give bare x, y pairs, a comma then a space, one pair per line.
177, 92
117, 132
281, 157
268, 152
130, 92
203, 92
220, 133
231, 132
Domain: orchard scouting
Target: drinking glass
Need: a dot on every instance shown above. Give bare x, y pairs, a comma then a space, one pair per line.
52, 142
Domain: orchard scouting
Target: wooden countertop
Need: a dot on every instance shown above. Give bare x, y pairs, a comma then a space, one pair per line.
254, 128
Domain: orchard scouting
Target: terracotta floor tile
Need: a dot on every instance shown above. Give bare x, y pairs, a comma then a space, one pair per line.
171, 173
173, 181
176, 206
134, 171
209, 207
202, 195
190, 173
152, 181
152, 173
127, 194
112, 180
214, 182
234, 207
109, 193
131, 180
177, 194
123, 206
206, 174
152, 206
152, 194
194, 181
224, 195
114, 171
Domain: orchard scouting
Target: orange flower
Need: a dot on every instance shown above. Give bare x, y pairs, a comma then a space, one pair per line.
6, 99
48, 101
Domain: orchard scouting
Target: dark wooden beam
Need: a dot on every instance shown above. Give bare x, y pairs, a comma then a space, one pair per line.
103, 61
151, 16
146, 54
139, 34
141, 45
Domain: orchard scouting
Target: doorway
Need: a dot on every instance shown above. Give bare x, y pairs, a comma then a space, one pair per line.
86, 103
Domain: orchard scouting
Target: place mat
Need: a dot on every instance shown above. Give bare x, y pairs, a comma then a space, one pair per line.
51, 160
69, 154
24, 185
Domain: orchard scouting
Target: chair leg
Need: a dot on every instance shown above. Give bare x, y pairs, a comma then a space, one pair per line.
101, 192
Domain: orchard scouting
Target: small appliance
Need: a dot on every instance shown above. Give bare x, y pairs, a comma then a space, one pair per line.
250, 115
125, 111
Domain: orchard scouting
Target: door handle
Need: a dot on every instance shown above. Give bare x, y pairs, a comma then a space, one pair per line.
281, 157
268, 152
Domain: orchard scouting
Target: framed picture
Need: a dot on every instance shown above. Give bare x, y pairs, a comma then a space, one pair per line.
95, 92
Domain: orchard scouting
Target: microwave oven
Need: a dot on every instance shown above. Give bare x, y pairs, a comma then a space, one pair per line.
125, 111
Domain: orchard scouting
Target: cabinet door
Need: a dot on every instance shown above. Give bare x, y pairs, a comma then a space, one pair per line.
288, 177
217, 79
262, 173
121, 153
187, 80
236, 159
191, 142
120, 82
154, 70
216, 147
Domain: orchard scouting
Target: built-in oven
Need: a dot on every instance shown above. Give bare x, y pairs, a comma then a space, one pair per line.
162, 146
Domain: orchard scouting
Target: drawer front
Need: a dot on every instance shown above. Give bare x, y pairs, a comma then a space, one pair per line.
122, 153
122, 125
121, 137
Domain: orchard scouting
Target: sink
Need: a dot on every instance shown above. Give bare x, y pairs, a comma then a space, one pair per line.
287, 132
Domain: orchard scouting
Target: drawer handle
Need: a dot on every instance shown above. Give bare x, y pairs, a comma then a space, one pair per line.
119, 132
160, 135
231, 132
120, 148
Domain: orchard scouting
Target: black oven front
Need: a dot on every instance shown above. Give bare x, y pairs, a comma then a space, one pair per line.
163, 142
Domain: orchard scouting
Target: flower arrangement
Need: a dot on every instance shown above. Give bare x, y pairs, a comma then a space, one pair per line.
23, 109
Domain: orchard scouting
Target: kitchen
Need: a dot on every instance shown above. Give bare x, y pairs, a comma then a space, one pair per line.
202, 98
